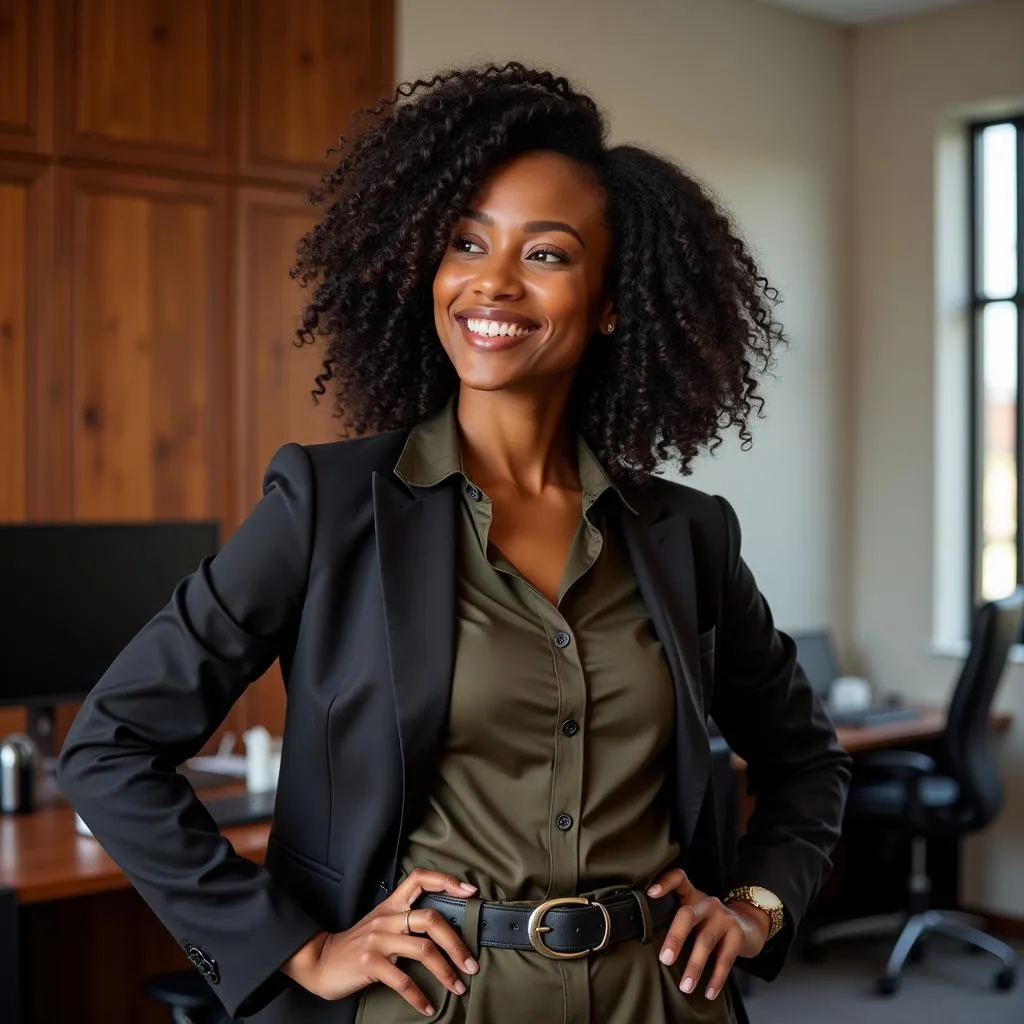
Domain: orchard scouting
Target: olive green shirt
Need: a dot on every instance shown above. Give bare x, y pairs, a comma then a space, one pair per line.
552, 779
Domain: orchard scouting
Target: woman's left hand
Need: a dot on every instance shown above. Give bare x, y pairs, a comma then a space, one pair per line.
738, 929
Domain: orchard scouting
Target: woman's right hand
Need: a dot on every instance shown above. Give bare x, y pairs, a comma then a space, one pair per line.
333, 966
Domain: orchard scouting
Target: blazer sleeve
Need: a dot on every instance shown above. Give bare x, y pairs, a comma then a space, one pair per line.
158, 703
796, 770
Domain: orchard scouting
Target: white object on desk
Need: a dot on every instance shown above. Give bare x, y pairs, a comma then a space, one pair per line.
849, 693
262, 759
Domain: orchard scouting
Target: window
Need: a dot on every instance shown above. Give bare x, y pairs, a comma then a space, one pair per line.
997, 357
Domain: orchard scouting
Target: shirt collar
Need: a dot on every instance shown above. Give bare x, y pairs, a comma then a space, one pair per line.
432, 453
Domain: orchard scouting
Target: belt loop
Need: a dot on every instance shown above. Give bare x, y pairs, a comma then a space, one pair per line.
645, 914
471, 925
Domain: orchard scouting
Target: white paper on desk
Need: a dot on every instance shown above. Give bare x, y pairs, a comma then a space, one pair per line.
225, 764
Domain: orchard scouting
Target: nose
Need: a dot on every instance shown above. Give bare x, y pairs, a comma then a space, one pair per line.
498, 277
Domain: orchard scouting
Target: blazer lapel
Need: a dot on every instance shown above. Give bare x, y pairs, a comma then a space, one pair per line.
661, 553
416, 554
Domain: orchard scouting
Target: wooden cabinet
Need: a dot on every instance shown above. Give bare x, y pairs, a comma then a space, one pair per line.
14, 376
155, 157
144, 81
26, 72
26, 290
147, 330
302, 77
275, 376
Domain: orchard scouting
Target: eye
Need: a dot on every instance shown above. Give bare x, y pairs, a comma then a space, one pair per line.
548, 256
463, 243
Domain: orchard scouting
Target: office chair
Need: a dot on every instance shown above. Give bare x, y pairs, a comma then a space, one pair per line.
905, 791
188, 996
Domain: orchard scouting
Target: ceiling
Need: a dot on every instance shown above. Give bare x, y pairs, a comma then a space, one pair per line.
856, 12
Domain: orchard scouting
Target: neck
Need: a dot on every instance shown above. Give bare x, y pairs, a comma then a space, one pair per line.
517, 439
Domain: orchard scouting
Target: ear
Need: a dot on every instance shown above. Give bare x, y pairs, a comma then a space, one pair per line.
608, 315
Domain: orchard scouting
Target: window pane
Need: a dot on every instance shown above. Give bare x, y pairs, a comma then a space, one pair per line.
998, 409
998, 223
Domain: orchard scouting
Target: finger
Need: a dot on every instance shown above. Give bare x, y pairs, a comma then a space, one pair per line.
420, 881
432, 923
676, 879
686, 919
388, 974
421, 948
706, 942
728, 950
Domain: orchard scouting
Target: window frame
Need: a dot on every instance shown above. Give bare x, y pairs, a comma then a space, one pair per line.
978, 301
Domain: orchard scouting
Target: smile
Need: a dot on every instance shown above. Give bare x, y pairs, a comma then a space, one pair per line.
497, 329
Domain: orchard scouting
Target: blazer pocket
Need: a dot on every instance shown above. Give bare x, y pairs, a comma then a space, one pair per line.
316, 888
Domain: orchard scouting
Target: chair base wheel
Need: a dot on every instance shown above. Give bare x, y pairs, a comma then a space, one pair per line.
886, 986
1005, 979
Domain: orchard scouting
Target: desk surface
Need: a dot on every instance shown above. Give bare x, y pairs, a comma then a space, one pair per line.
929, 725
42, 857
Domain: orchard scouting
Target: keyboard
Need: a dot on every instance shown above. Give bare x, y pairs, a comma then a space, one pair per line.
240, 808
871, 717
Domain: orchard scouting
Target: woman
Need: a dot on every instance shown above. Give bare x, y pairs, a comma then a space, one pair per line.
502, 638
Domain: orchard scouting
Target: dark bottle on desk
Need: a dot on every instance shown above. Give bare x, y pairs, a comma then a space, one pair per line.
19, 767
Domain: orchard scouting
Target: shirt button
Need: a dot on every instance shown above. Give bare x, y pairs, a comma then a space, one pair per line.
570, 727
564, 822
474, 492
562, 639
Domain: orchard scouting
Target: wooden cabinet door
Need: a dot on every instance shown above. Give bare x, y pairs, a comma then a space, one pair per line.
144, 81
15, 232
147, 337
26, 73
274, 376
307, 65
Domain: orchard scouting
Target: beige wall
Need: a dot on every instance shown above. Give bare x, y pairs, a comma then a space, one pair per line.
755, 101
912, 81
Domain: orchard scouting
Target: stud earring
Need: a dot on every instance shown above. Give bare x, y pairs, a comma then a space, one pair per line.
610, 327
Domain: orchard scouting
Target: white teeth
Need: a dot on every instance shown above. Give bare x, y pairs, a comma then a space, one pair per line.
496, 328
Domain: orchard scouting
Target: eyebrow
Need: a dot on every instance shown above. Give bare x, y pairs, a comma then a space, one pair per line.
530, 226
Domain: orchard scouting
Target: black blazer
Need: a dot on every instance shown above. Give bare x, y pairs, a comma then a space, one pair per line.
348, 576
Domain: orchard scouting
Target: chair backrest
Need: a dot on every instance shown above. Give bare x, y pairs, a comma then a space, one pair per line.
996, 628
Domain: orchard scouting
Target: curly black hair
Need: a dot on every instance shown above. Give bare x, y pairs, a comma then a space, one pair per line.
695, 316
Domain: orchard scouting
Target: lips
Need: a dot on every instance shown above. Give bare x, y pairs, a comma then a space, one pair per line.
489, 328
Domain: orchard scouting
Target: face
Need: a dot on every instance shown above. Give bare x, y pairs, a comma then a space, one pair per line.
519, 293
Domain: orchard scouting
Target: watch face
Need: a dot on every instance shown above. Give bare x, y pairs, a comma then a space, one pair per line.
765, 897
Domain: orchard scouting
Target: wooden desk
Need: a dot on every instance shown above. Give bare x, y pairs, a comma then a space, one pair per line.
64, 902
43, 858
928, 726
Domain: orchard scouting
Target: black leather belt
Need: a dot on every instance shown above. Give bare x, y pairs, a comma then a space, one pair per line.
561, 929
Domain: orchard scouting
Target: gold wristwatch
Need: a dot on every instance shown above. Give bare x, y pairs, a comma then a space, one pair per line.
764, 899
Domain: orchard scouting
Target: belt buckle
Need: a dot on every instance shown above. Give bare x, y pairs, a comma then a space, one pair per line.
536, 928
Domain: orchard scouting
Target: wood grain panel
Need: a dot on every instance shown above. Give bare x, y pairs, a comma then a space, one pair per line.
143, 79
275, 376
15, 65
26, 71
303, 77
14, 386
146, 339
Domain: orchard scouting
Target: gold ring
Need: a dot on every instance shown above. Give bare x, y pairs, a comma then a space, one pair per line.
408, 930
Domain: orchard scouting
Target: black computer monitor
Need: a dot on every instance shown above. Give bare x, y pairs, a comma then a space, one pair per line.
71, 597
816, 652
